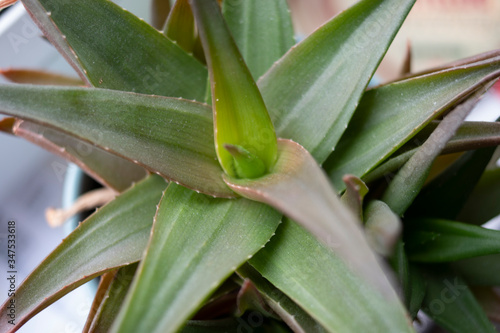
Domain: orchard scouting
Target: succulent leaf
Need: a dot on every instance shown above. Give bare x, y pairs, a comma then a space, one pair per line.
196, 243
114, 236
170, 136
108, 169
471, 135
318, 280
109, 297
411, 280
407, 183
452, 305
104, 282
262, 29
296, 318
246, 164
313, 90
446, 194
240, 115
298, 187
382, 227
91, 33
437, 240
390, 115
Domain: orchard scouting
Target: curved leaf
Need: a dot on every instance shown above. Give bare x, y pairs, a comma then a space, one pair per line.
318, 281
407, 183
91, 33
471, 135
296, 318
298, 188
108, 169
166, 135
435, 240
313, 90
390, 115
262, 30
411, 280
452, 305
112, 300
446, 194
196, 243
100, 297
382, 227
240, 115
114, 236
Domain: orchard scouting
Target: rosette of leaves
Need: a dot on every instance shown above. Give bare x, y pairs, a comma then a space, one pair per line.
229, 147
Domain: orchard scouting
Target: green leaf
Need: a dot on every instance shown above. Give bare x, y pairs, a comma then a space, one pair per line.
108, 169
471, 135
312, 91
196, 243
411, 281
246, 164
390, 115
105, 281
114, 236
240, 115
179, 26
318, 281
483, 201
407, 183
299, 188
446, 194
168, 136
262, 30
435, 240
382, 227
111, 299
91, 34
296, 318
452, 305
478, 270
39, 77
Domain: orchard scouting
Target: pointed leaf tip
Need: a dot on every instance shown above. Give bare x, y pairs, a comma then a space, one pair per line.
240, 115
246, 164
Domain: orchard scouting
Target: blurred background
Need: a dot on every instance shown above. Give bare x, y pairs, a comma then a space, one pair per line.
438, 31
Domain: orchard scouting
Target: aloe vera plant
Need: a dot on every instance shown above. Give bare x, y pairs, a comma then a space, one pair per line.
239, 159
